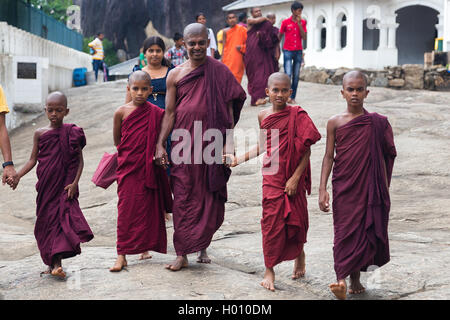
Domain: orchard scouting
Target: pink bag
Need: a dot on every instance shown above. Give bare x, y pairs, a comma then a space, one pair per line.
106, 174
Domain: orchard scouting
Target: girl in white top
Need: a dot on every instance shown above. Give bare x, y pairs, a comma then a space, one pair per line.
201, 18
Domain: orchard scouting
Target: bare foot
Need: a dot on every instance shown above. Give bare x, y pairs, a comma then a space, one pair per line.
269, 279
339, 289
203, 257
144, 256
121, 263
261, 102
58, 272
355, 285
299, 266
48, 271
179, 263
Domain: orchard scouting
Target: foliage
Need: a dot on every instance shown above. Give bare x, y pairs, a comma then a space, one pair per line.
108, 48
54, 8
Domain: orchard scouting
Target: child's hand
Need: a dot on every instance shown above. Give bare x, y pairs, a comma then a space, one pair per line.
13, 181
324, 201
71, 190
229, 160
291, 187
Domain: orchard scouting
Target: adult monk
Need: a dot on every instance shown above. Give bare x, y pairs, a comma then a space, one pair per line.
258, 58
276, 50
286, 178
234, 47
363, 164
202, 94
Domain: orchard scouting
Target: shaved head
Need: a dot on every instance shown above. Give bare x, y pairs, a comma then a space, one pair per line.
270, 15
139, 75
57, 96
355, 75
278, 76
195, 29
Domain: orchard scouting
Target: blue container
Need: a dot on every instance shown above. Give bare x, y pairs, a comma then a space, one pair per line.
79, 77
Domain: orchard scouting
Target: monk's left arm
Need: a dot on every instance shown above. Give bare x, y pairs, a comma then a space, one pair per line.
80, 168
292, 183
73, 187
229, 142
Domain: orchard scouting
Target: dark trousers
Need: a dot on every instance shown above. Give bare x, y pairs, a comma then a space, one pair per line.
96, 65
292, 64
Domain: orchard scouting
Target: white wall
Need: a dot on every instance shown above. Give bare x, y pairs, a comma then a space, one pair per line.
58, 62
447, 25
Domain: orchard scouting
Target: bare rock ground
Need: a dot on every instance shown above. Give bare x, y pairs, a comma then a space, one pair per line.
419, 223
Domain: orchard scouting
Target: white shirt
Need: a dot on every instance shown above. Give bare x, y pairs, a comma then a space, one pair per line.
212, 42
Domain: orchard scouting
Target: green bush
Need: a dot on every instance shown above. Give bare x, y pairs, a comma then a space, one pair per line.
108, 48
54, 8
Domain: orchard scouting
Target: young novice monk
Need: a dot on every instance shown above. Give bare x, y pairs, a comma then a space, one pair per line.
60, 224
363, 163
142, 187
286, 178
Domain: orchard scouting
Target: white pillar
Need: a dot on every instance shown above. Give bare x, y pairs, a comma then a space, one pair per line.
337, 36
446, 25
383, 36
318, 37
392, 36
440, 26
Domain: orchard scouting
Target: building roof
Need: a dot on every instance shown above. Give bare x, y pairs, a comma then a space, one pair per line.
244, 4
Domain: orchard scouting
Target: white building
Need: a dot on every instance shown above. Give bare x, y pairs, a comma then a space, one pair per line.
30, 67
364, 33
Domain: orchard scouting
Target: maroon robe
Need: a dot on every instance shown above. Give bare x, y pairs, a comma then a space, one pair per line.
142, 187
259, 58
285, 219
60, 224
274, 35
200, 190
361, 203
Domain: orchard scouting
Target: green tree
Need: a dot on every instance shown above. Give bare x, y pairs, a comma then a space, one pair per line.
108, 48
54, 8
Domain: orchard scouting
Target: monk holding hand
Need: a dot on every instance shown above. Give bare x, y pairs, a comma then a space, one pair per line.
286, 178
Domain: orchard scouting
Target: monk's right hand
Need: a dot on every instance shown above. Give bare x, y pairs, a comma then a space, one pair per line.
324, 201
161, 157
229, 160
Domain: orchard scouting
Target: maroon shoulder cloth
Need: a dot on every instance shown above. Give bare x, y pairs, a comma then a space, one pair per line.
143, 187
60, 224
363, 164
200, 189
285, 219
259, 58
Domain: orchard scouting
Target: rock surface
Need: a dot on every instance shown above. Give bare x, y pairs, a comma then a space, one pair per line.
124, 22
419, 220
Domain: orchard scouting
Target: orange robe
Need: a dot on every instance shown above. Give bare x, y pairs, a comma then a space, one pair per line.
232, 58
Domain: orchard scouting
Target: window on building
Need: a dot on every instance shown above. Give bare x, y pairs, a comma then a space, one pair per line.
341, 31
321, 35
371, 34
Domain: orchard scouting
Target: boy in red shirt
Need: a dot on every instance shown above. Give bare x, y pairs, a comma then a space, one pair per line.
294, 31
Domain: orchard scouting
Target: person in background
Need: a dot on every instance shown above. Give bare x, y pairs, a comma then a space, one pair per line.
5, 145
293, 29
142, 61
212, 48
178, 53
242, 18
98, 55
234, 47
